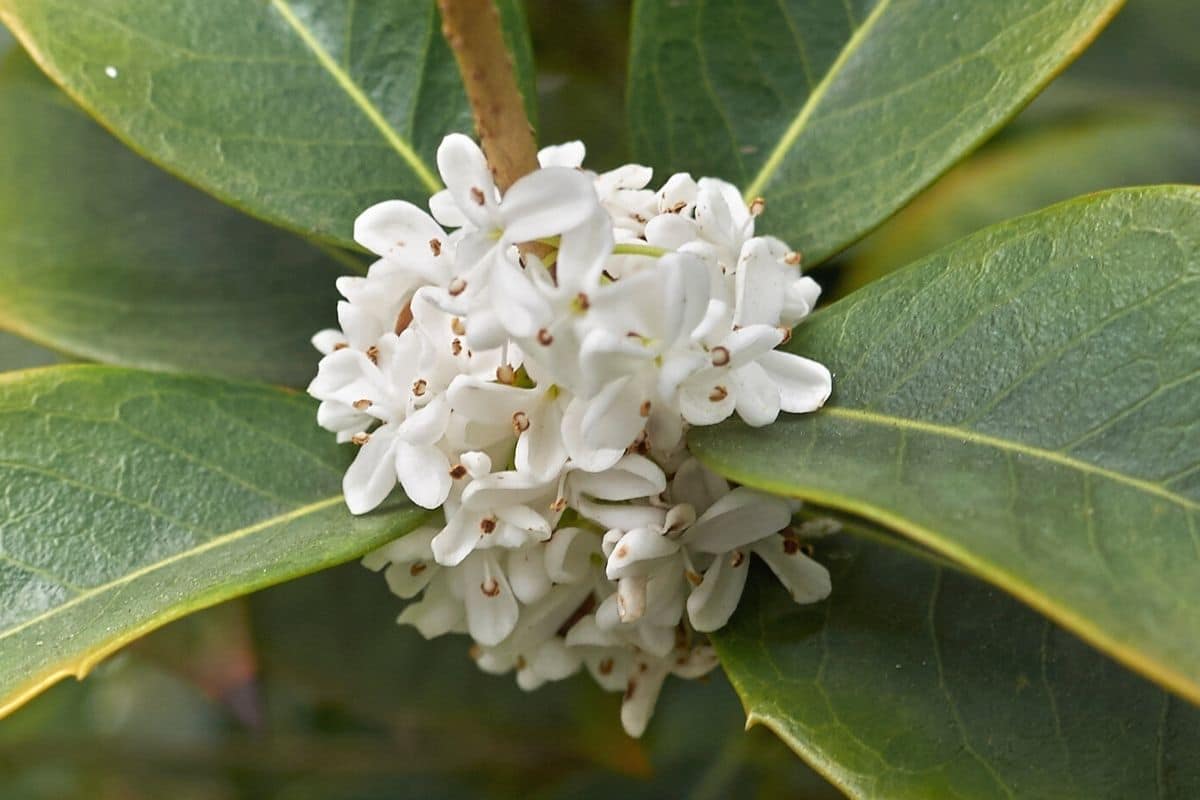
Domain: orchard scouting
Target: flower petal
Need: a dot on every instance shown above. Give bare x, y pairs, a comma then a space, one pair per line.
527, 574
637, 547
424, 473
712, 603
465, 173
372, 476
547, 202
806, 580
757, 396
739, 518
804, 385
492, 609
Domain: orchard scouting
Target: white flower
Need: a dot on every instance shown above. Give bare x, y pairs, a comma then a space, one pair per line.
529, 362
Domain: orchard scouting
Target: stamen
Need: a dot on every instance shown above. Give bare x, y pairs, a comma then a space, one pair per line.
417, 568
520, 422
718, 394
720, 356
458, 471
436, 246
490, 588
477, 195
419, 387
456, 347
360, 438
487, 524
506, 374
737, 558
794, 258
545, 338
645, 408
457, 287
373, 354
457, 327
362, 405
757, 206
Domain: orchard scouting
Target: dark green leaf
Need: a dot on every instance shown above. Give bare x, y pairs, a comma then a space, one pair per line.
134, 498
1025, 402
18, 353
110, 259
917, 682
838, 113
302, 112
1049, 163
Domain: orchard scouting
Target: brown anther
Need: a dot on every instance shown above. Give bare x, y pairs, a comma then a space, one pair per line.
436, 246
477, 195
786, 332
520, 422
694, 578
457, 327
458, 471
521, 663
718, 394
622, 551
490, 588
544, 337
403, 319
373, 354
605, 667
506, 374
639, 218
757, 206
456, 347
559, 504
794, 258
737, 558
583, 302
720, 356
645, 408
680, 206
630, 689
457, 287
419, 386
487, 524
362, 405
417, 568
475, 651
360, 438
791, 546
643, 667
340, 346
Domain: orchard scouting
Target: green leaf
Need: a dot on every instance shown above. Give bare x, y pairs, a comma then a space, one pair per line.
838, 113
301, 112
1046, 164
917, 682
108, 258
18, 353
134, 498
1024, 402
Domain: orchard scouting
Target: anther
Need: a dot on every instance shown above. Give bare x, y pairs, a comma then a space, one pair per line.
791, 546
373, 354
419, 387
362, 405
417, 568
737, 558
490, 588
757, 206
794, 257
720, 356
718, 394
786, 332
457, 327
360, 438
477, 195
645, 409
457, 287
506, 374
487, 524
436, 246
456, 347
340, 346
458, 471
520, 422
545, 338
694, 578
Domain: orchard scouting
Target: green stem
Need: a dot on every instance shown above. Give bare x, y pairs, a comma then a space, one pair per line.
639, 250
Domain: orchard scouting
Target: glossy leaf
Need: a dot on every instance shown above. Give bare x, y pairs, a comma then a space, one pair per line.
1043, 165
106, 257
838, 113
917, 682
302, 112
1025, 402
133, 498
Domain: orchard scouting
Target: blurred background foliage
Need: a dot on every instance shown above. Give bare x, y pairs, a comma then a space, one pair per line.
308, 691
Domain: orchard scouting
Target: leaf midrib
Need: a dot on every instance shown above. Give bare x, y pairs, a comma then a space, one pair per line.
771, 165
358, 96
1008, 445
148, 569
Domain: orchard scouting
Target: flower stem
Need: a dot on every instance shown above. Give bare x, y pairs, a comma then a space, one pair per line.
472, 27
639, 250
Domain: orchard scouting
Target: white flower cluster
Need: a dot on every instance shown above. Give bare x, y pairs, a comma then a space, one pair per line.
540, 395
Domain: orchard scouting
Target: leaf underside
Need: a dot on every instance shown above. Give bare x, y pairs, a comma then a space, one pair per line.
1027, 403
917, 682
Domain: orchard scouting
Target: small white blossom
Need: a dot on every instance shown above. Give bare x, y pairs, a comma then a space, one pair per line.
541, 400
